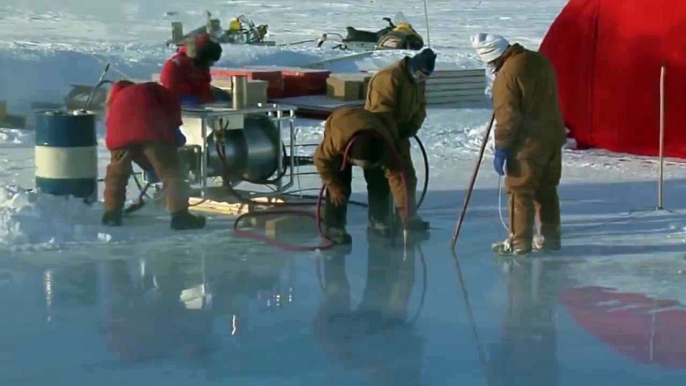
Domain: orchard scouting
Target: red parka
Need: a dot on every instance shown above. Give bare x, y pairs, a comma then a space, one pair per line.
141, 113
182, 77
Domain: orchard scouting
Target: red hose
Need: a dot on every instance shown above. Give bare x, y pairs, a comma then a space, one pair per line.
221, 152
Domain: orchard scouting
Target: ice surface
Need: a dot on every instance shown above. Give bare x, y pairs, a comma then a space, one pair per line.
613, 238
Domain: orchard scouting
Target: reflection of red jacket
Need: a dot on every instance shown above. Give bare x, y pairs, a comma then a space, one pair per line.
141, 112
183, 77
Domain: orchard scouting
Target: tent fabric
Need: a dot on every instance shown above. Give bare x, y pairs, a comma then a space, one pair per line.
608, 56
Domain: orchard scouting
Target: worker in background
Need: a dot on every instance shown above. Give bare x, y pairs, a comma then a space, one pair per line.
397, 94
529, 135
187, 73
143, 127
373, 149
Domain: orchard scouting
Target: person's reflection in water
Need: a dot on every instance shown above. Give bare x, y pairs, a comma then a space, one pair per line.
377, 336
148, 321
527, 354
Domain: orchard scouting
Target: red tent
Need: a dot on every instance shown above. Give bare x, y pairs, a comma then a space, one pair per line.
608, 55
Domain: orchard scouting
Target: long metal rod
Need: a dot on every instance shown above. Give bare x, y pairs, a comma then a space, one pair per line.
458, 227
279, 161
92, 94
291, 127
426, 15
660, 187
203, 160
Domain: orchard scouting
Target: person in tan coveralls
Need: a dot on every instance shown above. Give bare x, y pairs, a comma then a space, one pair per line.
529, 135
374, 149
397, 93
143, 127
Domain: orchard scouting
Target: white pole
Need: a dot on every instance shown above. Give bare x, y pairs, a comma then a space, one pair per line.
660, 203
426, 15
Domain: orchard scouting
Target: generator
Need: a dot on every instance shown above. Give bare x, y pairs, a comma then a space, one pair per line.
238, 145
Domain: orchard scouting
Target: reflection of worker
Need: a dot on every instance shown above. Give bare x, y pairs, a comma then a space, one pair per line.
147, 321
187, 73
529, 135
143, 127
372, 149
376, 336
527, 352
397, 93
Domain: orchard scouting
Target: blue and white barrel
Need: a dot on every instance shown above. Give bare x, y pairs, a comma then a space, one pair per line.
66, 154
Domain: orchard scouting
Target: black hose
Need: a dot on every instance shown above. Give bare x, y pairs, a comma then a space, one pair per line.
425, 189
426, 172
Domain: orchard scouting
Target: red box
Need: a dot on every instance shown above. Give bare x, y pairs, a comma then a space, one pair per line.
300, 81
274, 78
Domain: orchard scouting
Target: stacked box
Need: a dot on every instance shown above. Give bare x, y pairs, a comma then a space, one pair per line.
274, 78
343, 89
348, 86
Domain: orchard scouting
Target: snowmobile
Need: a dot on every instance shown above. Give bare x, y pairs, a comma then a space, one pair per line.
241, 31
398, 35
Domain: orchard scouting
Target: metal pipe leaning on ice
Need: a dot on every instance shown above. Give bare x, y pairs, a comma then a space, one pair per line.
484, 141
660, 194
66, 154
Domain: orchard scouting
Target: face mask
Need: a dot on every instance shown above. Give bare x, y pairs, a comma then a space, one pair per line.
419, 76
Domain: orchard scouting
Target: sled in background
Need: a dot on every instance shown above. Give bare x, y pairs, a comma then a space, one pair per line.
398, 35
241, 31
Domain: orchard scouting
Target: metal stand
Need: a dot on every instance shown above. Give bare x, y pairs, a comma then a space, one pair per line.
276, 114
660, 187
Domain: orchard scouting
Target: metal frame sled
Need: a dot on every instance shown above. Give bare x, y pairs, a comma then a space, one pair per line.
241, 31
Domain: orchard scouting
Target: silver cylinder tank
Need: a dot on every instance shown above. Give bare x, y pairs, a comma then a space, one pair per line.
252, 154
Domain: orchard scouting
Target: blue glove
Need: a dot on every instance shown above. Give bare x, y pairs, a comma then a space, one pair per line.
189, 100
179, 138
499, 160
151, 177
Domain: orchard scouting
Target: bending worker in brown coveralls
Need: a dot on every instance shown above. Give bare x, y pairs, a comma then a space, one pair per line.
143, 127
397, 94
374, 150
529, 135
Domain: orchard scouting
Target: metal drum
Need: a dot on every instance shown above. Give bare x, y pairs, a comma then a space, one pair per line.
66, 154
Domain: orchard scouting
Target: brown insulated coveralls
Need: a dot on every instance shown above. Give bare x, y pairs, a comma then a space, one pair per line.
530, 126
341, 126
402, 105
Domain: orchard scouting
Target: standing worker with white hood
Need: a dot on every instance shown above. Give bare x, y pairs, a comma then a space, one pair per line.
529, 135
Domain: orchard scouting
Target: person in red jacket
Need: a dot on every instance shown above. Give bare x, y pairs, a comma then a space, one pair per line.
187, 73
143, 127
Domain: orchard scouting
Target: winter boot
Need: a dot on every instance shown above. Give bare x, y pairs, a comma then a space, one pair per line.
112, 219
338, 235
417, 224
184, 220
504, 248
542, 244
378, 228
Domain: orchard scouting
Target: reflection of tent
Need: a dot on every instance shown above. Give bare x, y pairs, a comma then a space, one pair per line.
646, 330
608, 54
